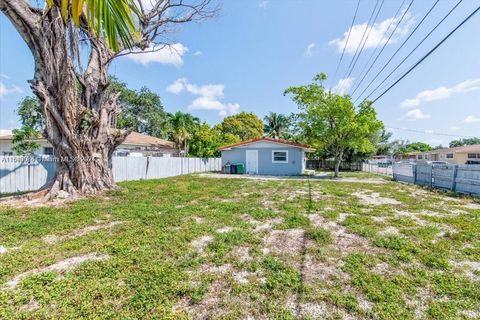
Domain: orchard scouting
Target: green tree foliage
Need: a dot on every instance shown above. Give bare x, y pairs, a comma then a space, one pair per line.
464, 142
331, 123
181, 127
142, 110
32, 122
414, 147
276, 125
245, 125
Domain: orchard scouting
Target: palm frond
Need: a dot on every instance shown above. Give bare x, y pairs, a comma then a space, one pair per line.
112, 20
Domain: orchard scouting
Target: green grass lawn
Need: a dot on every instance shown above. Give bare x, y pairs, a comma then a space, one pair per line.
195, 247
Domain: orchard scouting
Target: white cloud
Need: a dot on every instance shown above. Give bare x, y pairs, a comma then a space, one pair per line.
197, 53
5, 91
454, 128
429, 131
471, 119
172, 54
5, 132
263, 4
442, 93
4, 76
414, 115
208, 96
378, 35
309, 50
343, 85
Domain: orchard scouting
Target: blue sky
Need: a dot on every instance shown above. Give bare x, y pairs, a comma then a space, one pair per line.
245, 58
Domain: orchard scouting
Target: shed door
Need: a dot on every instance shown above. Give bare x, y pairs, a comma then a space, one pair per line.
252, 161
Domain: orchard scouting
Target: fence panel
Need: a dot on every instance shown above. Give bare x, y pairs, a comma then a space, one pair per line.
443, 176
373, 168
404, 172
424, 175
468, 179
17, 174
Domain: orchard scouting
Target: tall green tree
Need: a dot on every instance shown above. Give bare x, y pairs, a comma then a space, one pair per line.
181, 127
73, 43
244, 125
414, 147
141, 111
276, 125
464, 142
31, 118
331, 123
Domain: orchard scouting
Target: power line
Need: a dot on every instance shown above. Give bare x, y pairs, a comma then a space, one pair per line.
428, 54
431, 132
399, 48
384, 46
380, 40
414, 49
346, 42
362, 43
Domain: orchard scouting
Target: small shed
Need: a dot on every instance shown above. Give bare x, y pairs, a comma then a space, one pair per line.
267, 156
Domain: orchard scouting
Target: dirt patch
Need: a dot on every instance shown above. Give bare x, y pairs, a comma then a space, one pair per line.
244, 277
199, 220
284, 241
473, 206
224, 230
470, 268
30, 306
268, 225
375, 199
201, 243
389, 231
52, 239
210, 268
242, 254
3, 250
59, 267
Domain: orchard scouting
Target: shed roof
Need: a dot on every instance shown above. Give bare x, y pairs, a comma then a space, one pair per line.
268, 139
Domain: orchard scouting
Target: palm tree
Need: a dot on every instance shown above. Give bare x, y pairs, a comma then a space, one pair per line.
182, 125
276, 125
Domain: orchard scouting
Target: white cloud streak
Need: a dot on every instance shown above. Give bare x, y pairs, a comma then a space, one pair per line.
309, 50
441, 93
5, 91
471, 119
208, 97
172, 54
343, 85
414, 115
378, 35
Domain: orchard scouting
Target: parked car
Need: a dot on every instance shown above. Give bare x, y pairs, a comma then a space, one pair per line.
473, 162
437, 162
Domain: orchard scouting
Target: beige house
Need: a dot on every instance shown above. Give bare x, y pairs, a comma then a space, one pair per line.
136, 144
458, 155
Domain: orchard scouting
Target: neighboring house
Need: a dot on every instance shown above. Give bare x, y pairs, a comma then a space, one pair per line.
457, 155
136, 144
267, 156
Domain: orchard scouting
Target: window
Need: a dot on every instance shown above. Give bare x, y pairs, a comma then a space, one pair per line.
449, 155
474, 156
48, 151
279, 156
8, 153
419, 157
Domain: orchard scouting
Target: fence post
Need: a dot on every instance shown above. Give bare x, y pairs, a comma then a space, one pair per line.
431, 176
454, 178
414, 169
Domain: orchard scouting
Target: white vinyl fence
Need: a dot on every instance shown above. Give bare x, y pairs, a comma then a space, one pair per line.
374, 168
457, 178
27, 174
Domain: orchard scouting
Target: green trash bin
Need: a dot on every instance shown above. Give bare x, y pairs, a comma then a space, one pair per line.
240, 168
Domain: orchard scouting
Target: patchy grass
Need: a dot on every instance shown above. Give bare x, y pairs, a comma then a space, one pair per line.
194, 247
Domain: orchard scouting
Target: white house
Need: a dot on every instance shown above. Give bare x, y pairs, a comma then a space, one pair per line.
267, 156
136, 144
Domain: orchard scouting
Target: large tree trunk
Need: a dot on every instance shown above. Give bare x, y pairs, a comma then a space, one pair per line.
77, 107
338, 162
